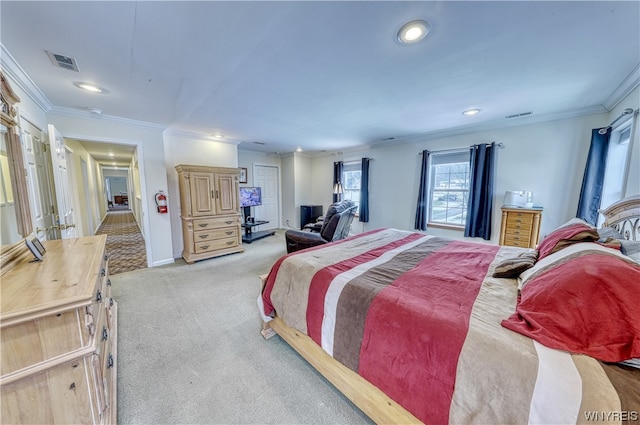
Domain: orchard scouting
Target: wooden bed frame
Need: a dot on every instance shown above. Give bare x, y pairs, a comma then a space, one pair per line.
624, 216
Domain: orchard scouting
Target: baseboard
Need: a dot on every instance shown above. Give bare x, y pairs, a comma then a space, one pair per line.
163, 262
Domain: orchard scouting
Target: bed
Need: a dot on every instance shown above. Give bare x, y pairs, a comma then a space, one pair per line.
421, 329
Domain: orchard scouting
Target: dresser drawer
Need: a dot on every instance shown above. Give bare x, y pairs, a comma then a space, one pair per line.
520, 227
216, 244
215, 223
522, 241
36, 341
213, 234
519, 219
60, 394
521, 231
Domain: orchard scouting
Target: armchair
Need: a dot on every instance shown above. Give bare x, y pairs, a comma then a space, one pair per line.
336, 225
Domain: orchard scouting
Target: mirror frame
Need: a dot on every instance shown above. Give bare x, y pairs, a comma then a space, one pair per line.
9, 117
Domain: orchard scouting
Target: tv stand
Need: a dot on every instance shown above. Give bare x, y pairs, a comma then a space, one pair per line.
250, 236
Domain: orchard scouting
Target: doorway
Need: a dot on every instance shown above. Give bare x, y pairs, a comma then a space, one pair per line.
116, 184
268, 178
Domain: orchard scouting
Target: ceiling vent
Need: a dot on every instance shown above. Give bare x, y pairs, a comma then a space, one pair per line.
62, 61
522, 114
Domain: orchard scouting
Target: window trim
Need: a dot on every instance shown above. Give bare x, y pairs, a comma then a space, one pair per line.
430, 190
350, 166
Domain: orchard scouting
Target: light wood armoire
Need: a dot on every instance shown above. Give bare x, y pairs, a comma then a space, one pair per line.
58, 326
210, 211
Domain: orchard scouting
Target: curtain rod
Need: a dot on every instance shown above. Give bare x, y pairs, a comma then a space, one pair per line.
500, 145
626, 112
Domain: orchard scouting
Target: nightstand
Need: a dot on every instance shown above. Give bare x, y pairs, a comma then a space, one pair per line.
520, 226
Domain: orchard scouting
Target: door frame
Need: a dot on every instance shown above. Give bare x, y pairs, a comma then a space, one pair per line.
278, 184
143, 182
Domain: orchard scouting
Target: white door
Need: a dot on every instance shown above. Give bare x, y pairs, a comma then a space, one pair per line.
266, 177
37, 170
65, 218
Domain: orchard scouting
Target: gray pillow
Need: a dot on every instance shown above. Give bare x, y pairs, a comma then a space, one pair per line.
605, 233
631, 249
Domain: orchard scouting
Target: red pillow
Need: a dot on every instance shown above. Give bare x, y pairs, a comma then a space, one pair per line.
564, 236
583, 303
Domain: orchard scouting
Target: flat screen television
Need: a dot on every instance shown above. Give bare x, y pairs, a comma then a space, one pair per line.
250, 196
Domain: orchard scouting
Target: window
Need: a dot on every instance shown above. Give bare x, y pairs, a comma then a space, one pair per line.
616, 168
351, 175
449, 188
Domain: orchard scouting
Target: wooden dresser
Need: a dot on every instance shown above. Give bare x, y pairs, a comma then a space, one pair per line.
210, 211
520, 226
58, 327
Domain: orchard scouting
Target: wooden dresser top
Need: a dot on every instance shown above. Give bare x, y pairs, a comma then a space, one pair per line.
65, 279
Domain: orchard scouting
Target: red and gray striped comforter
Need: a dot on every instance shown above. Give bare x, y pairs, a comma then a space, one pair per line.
420, 318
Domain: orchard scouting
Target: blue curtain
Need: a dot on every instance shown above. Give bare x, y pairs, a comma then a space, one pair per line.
337, 176
364, 191
592, 182
479, 206
422, 209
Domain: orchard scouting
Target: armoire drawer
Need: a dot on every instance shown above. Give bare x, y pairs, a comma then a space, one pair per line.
215, 223
216, 244
209, 235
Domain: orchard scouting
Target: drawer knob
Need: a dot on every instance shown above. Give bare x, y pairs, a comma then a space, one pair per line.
203, 224
228, 222
108, 282
205, 246
229, 233
203, 236
99, 296
106, 258
110, 302
105, 333
103, 272
230, 242
110, 361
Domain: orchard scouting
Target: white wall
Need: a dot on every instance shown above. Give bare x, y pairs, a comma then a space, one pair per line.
289, 214
180, 149
547, 158
149, 143
247, 159
297, 187
82, 212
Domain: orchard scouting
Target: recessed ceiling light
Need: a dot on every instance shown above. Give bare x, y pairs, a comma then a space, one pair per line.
90, 87
413, 31
299, 150
217, 136
471, 112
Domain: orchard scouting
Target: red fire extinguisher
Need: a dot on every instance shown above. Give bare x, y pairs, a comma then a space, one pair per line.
161, 202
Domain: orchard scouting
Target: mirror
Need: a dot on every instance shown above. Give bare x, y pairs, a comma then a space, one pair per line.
15, 214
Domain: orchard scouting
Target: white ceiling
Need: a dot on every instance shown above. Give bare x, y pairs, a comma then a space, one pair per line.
326, 75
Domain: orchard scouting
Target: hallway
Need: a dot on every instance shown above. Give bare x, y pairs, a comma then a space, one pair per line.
125, 244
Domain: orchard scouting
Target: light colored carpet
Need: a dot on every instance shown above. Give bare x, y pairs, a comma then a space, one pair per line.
190, 349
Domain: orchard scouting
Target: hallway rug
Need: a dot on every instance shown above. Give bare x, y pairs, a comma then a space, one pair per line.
125, 244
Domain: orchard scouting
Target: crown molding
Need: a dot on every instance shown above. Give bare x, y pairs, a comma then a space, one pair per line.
497, 125
198, 136
79, 113
627, 86
21, 79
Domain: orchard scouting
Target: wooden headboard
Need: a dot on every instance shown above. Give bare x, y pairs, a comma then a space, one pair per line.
624, 216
